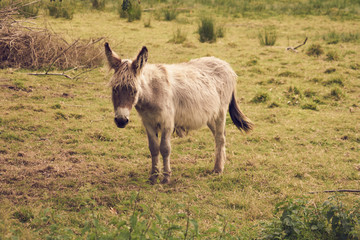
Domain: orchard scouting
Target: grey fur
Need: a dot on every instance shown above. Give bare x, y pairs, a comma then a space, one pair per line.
185, 96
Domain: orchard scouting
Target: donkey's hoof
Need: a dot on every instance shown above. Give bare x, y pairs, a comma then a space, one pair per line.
166, 180
153, 179
217, 171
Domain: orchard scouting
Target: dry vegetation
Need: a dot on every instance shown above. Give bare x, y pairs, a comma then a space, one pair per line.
66, 171
23, 45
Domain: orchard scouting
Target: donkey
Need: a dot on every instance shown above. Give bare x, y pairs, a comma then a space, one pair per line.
170, 97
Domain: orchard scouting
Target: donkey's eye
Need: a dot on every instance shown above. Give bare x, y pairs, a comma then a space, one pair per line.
115, 90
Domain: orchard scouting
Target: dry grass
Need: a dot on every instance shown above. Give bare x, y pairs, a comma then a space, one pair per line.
31, 47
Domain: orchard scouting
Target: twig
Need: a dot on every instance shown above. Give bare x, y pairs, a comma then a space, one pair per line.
53, 74
339, 190
60, 55
294, 48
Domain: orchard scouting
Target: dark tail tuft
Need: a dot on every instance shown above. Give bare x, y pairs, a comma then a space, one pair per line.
238, 117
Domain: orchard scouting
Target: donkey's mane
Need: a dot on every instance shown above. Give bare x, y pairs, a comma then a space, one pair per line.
123, 77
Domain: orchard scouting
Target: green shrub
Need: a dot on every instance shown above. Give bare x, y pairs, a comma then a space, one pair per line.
300, 219
260, 97
206, 30
60, 10
315, 50
268, 36
130, 10
330, 70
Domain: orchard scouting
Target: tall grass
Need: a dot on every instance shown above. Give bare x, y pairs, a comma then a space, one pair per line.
268, 36
206, 30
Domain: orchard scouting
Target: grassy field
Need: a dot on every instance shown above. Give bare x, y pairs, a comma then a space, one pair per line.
67, 171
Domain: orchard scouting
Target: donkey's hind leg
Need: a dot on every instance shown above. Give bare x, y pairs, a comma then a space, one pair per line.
219, 134
154, 150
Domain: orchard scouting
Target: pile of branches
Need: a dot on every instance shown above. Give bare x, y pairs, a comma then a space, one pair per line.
23, 45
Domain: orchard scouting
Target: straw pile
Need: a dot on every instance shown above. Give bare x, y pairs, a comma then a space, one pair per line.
22, 46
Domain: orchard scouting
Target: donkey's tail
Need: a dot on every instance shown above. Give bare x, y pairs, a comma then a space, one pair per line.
238, 117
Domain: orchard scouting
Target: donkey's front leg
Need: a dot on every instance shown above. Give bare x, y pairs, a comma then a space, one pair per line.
165, 149
154, 150
219, 134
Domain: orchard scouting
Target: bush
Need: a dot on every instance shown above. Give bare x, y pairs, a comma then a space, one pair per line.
300, 219
206, 30
267, 37
98, 4
336, 94
130, 10
60, 10
310, 106
315, 50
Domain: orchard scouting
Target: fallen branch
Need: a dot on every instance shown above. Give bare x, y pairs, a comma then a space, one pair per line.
294, 48
63, 73
339, 190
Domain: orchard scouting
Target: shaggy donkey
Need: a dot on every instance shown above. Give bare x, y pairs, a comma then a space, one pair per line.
172, 97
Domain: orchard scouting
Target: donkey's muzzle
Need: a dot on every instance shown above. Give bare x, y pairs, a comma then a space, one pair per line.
121, 122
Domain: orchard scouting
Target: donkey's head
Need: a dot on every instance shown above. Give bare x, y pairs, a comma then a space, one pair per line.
125, 83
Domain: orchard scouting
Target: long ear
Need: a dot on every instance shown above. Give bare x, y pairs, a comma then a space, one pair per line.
113, 59
140, 60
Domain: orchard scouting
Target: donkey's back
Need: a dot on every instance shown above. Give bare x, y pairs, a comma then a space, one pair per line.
200, 89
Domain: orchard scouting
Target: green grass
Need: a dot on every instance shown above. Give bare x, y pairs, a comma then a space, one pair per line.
68, 172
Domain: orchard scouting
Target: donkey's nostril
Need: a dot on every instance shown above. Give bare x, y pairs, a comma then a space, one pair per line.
121, 122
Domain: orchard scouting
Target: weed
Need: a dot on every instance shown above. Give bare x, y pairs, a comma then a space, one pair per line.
261, 97
330, 70
332, 56
336, 94
310, 106
294, 95
315, 50
56, 106
24, 215
206, 30
334, 81
178, 37
355, 66
60, 116
274, 105
268, 36
28, 11
288, 74
309, 93
300, 219
251, 63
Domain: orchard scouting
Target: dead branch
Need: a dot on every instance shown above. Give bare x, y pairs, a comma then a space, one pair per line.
51, 74
339, 190
294, 48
